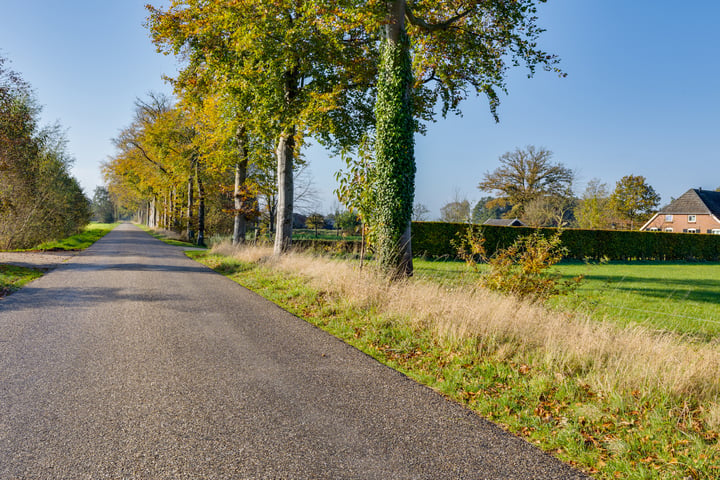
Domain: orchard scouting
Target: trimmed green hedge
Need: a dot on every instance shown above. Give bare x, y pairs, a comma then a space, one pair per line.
327, 246
433, 239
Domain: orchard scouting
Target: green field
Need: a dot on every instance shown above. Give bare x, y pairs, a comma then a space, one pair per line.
677, 297
322, 234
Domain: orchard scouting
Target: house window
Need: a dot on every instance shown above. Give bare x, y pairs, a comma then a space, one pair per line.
715, 231
692, 219
669, 229
654, 229
691, 230
668, 218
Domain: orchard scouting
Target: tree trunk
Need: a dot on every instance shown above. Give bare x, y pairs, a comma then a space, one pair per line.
190, 233
395, 145
240, 226
201, 207
283, 225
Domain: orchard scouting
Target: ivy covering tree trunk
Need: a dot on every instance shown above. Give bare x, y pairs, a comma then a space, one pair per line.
394, 150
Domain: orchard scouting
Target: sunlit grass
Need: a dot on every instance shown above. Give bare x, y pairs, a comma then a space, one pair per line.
90, 234
168, 236
12, 278
678, 297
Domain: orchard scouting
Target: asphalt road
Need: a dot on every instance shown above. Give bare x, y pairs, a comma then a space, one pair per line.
131, 361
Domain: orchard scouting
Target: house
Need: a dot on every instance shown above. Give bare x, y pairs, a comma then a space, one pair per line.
696, 211
504, 222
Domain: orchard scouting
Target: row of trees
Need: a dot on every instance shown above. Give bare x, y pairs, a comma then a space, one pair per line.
39, 199
260, 76
529, 186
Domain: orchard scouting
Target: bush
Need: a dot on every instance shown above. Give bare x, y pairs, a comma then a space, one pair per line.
521, 268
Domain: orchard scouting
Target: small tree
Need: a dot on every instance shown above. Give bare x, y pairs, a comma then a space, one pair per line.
102, 206
521, 268
347, 221
315, 221
420, 213
550, 211
487, 208
457, 211
594, 209
633, 199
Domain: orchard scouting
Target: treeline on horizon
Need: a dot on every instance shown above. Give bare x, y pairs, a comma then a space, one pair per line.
39, 198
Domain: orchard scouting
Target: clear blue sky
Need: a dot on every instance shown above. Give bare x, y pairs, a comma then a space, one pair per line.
641, 96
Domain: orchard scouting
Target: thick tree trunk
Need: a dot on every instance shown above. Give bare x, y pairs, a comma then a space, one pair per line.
395, 157
240, 226
283, 225
190, 233
201, 207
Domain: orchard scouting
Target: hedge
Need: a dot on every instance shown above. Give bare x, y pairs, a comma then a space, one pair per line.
433, 239
327, 246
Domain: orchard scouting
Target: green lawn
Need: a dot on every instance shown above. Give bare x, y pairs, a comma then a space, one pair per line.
322, 234
12, 278
678, 297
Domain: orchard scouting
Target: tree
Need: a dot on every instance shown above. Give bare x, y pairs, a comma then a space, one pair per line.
550, 211
39, 199
633, 199
420, 213
457, 211
594, 210
487, 208
347, 221
102, 206
310, 66
315, 221
526, 175
297, 72
433, 52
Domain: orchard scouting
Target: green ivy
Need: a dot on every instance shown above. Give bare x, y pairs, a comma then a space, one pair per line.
394, 153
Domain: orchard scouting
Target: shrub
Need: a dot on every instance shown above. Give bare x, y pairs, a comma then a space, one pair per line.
521, 268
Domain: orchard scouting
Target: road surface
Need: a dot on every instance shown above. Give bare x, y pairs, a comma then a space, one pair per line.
130, 361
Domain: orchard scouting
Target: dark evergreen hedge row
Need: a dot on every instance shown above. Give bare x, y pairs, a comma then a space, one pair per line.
327, 246
433, 239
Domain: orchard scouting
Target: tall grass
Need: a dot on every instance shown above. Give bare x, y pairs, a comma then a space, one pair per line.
605, 355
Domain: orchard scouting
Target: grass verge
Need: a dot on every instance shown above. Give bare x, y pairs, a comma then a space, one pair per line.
616, 402
167, 236
12, 278
90, 234
669, 296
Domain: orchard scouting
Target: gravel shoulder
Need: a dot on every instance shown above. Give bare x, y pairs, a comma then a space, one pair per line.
41, 260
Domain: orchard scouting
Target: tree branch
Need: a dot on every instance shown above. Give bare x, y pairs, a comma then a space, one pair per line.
432, 27
144, 154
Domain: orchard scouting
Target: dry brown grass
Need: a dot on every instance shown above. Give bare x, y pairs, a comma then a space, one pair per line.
607, 357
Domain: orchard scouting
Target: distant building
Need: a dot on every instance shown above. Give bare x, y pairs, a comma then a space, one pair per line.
504, 222
696, 211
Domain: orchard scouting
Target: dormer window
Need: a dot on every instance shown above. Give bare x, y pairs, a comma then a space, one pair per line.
692, 219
